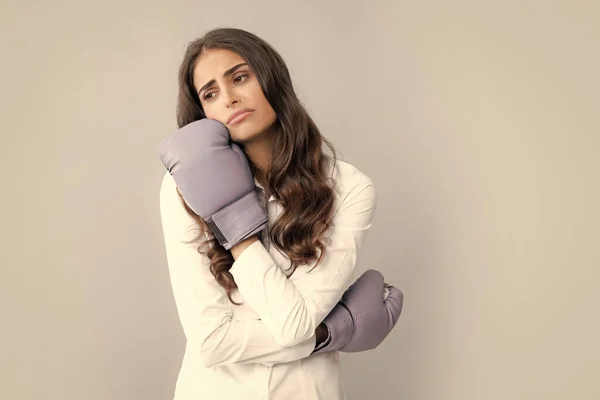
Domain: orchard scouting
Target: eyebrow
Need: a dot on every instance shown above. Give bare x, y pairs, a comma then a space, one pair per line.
225, 74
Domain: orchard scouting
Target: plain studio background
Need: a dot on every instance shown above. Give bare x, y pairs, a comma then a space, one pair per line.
477, 120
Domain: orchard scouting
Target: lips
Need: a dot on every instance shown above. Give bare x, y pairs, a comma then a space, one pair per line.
237, 113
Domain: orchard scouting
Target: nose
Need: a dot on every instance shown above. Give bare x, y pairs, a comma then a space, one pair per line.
230, 97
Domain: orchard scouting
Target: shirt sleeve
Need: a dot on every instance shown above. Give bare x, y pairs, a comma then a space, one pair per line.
207, 317
291, 308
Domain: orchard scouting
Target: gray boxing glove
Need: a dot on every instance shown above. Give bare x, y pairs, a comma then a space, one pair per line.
215, 180
364, 316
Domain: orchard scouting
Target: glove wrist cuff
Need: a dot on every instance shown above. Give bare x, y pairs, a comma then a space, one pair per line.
341, 328
238, 221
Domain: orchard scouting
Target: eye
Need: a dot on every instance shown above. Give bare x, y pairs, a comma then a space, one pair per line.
208, 96
244, 76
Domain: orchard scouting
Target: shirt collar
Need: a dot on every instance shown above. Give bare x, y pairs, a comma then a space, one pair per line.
258, 184
262, 189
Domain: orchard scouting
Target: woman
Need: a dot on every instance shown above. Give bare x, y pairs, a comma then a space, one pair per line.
279, 227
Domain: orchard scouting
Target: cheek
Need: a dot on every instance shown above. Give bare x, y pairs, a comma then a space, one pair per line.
271, 115
266, 109
259, 97
211, 114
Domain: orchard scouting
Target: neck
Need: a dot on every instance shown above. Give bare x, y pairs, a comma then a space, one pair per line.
260, 152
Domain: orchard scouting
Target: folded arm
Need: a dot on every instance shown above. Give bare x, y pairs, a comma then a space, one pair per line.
292, 308
213, 333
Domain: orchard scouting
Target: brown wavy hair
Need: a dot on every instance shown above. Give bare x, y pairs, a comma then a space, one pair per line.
297, 178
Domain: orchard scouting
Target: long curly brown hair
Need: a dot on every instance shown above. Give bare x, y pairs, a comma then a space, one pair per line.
298, 176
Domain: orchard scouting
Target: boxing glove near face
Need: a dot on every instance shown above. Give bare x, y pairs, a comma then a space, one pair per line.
214, 178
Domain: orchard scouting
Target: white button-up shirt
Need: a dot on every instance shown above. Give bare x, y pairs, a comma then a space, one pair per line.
262, 349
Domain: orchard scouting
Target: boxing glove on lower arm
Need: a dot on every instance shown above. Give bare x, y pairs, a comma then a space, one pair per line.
363, 318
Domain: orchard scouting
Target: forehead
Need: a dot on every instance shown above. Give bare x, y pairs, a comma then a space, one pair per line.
212, 63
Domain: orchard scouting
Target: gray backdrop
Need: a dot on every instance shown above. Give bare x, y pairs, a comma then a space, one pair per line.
477, 120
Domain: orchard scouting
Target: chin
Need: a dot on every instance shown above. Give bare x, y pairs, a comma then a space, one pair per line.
247, 132
244, 134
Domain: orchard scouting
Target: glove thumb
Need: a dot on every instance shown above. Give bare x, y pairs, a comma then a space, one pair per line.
393, 303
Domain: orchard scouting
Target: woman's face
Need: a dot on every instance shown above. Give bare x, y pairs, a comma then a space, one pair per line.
225, 85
